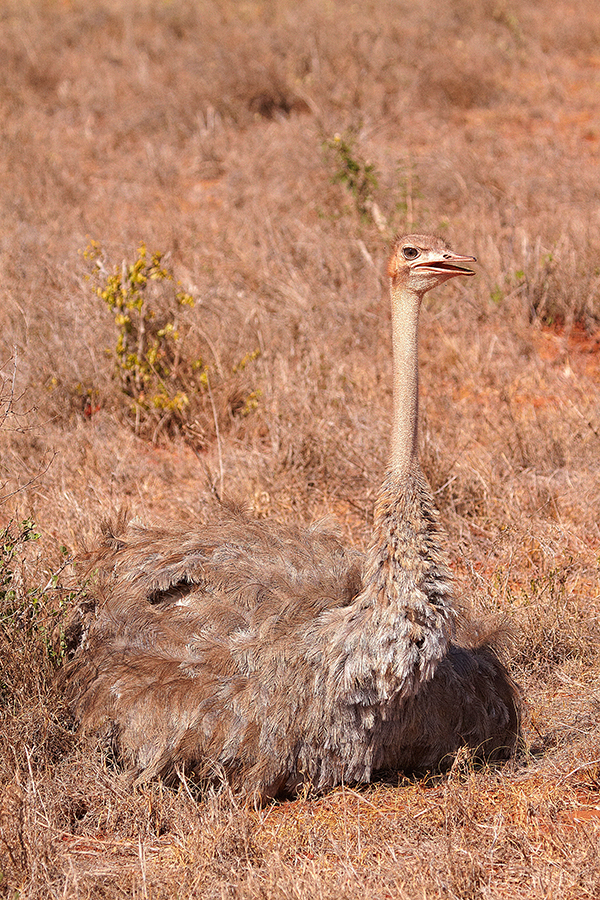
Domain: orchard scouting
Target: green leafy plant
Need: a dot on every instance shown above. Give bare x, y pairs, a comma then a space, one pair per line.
37, 612
357, 174
159, 371
11, 543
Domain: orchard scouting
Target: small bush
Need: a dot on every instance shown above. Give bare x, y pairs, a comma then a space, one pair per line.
164, 377
358, 175
27, 612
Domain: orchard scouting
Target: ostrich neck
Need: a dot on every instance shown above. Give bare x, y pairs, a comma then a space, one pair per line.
390, 639
405, 333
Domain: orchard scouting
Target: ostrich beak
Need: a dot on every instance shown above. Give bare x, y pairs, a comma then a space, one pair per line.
447, 263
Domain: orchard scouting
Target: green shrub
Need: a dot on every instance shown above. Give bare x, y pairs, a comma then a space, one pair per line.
168, 387
357, 174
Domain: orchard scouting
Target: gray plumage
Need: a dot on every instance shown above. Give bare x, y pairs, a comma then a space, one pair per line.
275, 657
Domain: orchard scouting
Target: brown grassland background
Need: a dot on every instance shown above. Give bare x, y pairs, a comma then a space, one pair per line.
207, 131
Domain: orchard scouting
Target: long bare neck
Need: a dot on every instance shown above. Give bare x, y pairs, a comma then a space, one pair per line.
391, 638
405, 328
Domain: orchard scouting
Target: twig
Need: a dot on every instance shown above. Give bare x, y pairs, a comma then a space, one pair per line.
9, 403
586, 765
142, 858
22, 487
218, 436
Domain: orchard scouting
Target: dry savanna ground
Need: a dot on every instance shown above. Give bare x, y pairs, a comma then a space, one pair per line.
264, 153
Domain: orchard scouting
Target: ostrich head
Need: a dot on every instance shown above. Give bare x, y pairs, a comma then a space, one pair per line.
420, 262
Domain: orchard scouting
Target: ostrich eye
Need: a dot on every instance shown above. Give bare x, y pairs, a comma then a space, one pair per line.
410, 252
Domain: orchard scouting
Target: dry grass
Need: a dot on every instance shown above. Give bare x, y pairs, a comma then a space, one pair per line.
207, 131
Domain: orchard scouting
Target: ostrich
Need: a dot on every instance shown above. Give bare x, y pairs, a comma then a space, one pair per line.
273, 657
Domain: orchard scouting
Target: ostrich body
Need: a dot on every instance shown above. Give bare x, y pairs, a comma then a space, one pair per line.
274, 657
